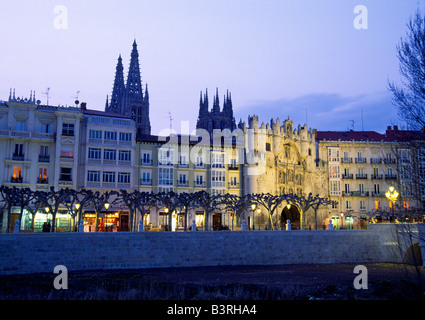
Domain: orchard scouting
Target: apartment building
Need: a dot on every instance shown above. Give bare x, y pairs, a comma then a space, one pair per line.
40, 148
362, 165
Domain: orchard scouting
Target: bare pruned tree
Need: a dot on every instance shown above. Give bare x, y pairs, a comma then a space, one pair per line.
409, 97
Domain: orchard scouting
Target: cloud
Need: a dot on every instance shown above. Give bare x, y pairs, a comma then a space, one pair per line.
327, 112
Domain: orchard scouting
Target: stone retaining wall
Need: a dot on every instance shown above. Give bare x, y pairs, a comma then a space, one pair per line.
41, 252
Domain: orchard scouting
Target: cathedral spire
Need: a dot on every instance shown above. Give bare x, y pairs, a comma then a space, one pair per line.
134, 80
216, 104
118, 89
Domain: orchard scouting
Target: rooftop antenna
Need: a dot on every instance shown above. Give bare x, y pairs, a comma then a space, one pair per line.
352, 124
47, 95
171, 119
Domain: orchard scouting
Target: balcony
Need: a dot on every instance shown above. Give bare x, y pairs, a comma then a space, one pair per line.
360, 194
146, 162
183, 184
377, 194
16, 180
347, 176
389, 161
390, 177
346, 160
361, 160
233, 185
361, 176
42, 181
183, 165
377, 176
199, 184
233, 167
146, 182
18, 157
43, 158
375, 160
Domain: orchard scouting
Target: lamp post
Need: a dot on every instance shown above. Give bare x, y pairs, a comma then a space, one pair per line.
106, 213
392, 196
77, 218
253, 207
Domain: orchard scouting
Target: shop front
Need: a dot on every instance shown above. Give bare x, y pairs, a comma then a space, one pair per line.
107, 222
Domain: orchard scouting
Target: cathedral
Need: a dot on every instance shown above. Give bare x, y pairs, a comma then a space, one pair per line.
128, 99
216, 118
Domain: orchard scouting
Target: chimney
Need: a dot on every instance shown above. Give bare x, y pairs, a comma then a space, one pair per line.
83, 106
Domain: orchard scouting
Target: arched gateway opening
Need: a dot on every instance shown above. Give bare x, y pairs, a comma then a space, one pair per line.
293, 214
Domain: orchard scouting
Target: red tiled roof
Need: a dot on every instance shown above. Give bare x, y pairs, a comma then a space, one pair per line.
349, 135
390, 135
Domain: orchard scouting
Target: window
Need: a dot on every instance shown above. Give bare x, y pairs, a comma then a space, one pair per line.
20, 125
108, 176
42, 175
95, 153
109, 154
376, 188
65, 174
124, 155
183, 160
93, 176
68, 129
45, 128
233, 181
377, 205
362, 205
44, 154
110, 135
199, 180
348, 204
125, 136
406, 205
95, 134
44, 150
199, 161
146, 158
165, 157
390, 205
19, 150
218, 179
361, 188
347, 188
17, 174
334, 171
333, 154
67, 154
146, 178
165, 176
123, 177
218, 160
335, 188
182, 179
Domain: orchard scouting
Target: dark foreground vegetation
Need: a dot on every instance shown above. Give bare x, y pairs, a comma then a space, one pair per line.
329, 282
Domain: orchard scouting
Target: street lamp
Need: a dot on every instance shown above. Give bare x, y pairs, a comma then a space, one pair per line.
106, 218
253, 206
392, 196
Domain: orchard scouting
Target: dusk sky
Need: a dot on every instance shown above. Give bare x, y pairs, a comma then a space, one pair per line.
299, 58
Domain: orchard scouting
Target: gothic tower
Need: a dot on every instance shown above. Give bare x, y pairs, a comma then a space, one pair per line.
216, 119
128, 99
